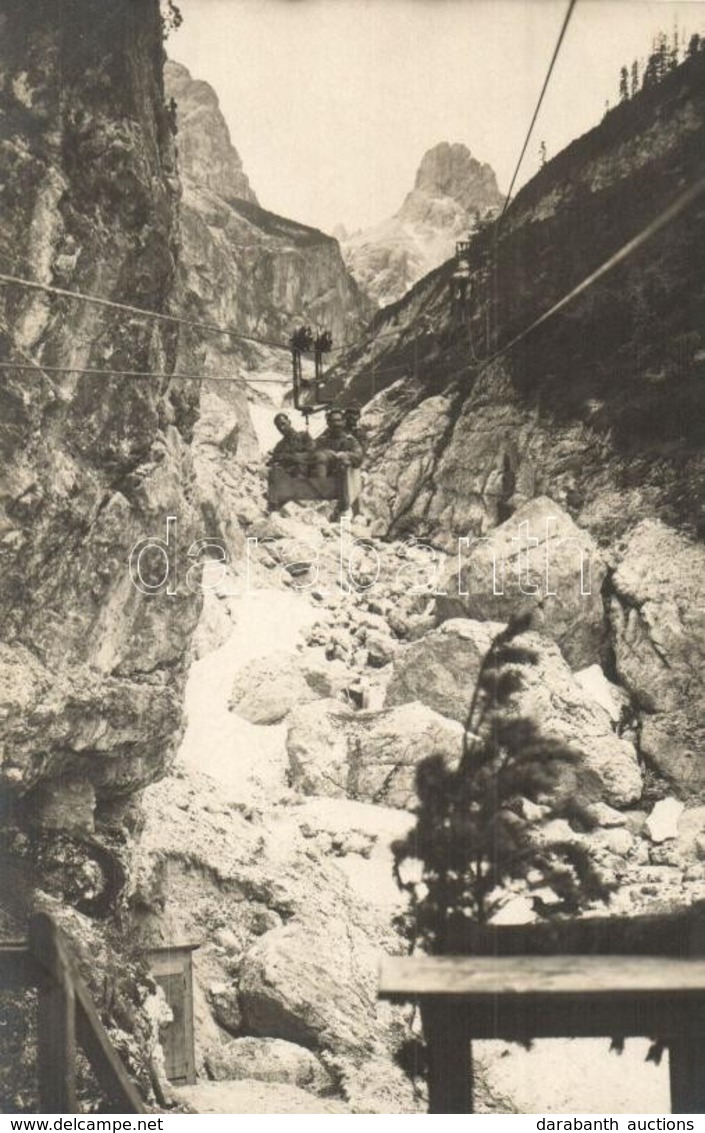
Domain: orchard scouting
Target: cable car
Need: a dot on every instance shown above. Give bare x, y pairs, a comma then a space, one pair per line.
290, 483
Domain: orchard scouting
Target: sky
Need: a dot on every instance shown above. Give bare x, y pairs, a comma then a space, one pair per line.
332, 103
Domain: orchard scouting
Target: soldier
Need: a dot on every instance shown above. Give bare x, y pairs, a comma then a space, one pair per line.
336, 454
294, 451
353, 426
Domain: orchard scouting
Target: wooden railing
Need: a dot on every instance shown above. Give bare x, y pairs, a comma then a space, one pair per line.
602, 976
66, 1018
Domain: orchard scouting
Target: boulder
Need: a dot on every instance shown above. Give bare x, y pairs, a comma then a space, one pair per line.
606, 769
270, 1060
317, 991
265, 690
369, 756
387, 747
662, 823
441, 669
657, 616
302, 893
381, 648
326, 678
317, 746
538, 562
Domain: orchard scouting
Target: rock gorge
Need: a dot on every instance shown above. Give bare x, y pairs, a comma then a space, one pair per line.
301, 707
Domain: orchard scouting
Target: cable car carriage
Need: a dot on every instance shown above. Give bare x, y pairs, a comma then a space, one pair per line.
306, 475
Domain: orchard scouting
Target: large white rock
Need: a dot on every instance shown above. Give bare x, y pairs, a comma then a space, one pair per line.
369, 756
316, 991
662, 823
265, 690
539, 562
658, 625
270, 1060
610, 696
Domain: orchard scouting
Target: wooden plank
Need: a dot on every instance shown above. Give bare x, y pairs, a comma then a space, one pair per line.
190, 1037
102, 1055
507, 1017
450, 1074
173, 1034
56, 1022
650, 934
473, 977
546, 997
56, 1049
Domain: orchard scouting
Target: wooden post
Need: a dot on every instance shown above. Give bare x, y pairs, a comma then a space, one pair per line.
687, 1071
450, 1072
56, 1021
686, 1054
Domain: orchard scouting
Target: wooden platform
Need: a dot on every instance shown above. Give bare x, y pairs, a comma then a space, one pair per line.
571, 996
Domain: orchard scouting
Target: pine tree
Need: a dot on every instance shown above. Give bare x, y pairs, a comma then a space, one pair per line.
662, 56
623, 84
476, 828
694, 45
674, 54
650, 75
542, 154
635, 78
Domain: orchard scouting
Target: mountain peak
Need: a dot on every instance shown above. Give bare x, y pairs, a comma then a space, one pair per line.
206, 153
449, 170
452, 188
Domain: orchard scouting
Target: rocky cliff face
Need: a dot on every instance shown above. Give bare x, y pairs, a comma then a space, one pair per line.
205, 149
452, 189
93, 669
600, 410
603, 404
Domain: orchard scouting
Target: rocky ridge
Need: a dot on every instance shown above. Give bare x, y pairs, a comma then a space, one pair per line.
452, 191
